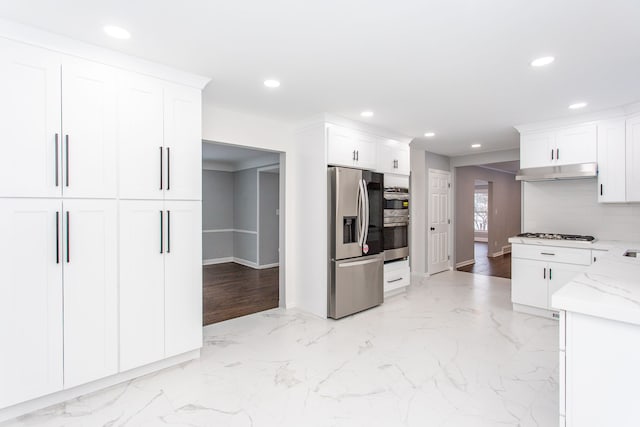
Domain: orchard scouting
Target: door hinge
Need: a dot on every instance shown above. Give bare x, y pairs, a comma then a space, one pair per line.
449, 221
449, 184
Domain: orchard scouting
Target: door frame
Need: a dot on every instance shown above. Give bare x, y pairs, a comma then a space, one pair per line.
258, 172
428, 223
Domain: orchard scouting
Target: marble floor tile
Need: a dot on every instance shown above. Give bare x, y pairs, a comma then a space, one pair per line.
448, 352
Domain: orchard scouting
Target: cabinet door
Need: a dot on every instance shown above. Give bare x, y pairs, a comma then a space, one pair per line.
90, 290
576, 144
30, 300
535, 149
140, 137
89, 129
560, 275
341, 147
183, 143
393, 157
529, 282
183, 277
633, 159
366, 151
30, 125
611, 161
141, 255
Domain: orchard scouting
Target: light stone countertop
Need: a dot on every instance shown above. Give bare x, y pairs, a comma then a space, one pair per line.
609, 288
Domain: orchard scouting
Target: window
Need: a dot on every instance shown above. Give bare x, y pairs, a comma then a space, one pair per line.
481, 209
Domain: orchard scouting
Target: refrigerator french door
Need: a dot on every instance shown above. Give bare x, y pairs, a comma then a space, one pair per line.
356, 247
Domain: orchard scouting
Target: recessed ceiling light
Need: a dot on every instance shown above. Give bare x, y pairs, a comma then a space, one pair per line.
430, 134
541, 62
476, 145
577, 105
366, 113
272, 83
117, 32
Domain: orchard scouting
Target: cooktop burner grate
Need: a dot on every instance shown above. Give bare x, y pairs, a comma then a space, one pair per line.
554, 236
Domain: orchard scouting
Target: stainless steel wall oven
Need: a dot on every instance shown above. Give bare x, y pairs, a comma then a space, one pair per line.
396, 223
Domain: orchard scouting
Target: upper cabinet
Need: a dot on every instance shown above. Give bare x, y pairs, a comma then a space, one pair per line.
633, 158
611, 161
351, 148
159, 132
347, 147
30, 126
565, 146
393, 157
58, 124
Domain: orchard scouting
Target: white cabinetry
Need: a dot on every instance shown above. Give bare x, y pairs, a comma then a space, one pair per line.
93, 284
89, 261
598, 374
539, 271
347, 147
393, 157
633, 158
30, 299
30, 127
564, 146
160, 280
611, 161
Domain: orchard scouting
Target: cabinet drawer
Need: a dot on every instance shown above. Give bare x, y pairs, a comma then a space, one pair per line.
552, 254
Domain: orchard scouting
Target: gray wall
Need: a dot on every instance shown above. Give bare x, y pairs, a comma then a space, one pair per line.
217, 213
504, 209
245, 207
571, 207
269, 227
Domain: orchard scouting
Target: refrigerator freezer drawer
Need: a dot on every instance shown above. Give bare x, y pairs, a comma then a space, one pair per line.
356, 285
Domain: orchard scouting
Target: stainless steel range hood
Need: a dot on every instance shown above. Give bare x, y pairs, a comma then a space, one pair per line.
550, 173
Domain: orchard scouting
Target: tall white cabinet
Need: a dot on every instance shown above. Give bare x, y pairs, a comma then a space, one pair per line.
100, 218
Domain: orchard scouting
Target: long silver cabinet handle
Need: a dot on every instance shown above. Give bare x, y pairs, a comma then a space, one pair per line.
57, 159
353, 264
168, 169
67, 236
160, 167
161, 230
168, 231
57, 237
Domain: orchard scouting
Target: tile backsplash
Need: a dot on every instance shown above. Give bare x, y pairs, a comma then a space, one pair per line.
571, 207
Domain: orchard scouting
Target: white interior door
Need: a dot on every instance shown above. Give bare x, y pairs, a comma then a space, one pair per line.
90, 290
140, 137
30, 299
439, 221
30, 111
183, 143
141, 255
89, 129
183, 276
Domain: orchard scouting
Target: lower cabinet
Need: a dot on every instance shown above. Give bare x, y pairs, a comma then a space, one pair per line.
46, 240
160, 280
534, 279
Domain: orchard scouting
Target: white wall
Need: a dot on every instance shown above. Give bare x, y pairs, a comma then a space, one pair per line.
571, 207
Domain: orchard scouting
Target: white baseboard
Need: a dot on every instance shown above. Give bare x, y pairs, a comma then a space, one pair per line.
263, 266
506, 249
213, 261
72, 393
465, 263
481, 239
245, 262
496, 254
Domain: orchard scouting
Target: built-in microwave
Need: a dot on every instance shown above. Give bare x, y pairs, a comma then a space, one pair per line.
396, 223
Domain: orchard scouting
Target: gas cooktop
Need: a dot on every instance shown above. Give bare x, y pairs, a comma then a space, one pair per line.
552, 236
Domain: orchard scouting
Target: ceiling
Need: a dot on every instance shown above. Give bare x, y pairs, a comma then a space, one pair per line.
224, 157
459, 68
509, 167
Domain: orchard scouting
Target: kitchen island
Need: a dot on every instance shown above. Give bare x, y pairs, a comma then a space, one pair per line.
599, 343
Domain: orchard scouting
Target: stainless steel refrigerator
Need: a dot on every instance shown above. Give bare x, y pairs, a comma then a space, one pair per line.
356, 249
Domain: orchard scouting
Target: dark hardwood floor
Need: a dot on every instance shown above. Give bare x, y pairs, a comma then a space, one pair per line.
498, 266
233, 290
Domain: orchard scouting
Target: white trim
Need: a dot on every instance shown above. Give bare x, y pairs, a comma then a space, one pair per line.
506, 249
245, 262
465, 263
229, 230
428, 223
481, 239
44, 39
101, 384
213, 261
495, 254
261, 267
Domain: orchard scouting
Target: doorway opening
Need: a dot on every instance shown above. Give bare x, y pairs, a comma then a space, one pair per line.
241, 236
487, 214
